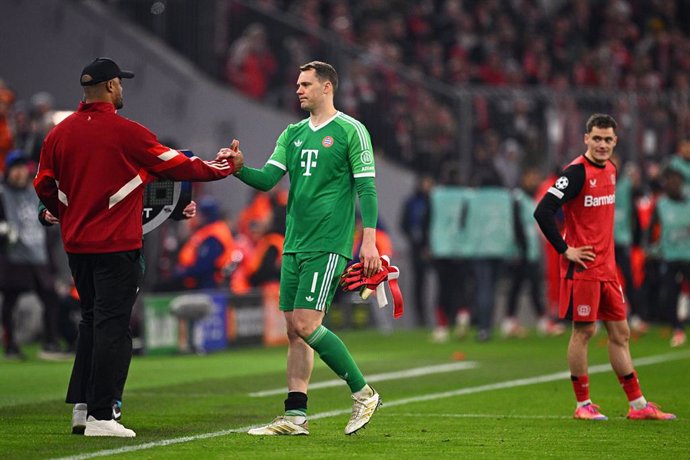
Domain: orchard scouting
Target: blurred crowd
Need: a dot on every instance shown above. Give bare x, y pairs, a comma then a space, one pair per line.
537, 69
622, 44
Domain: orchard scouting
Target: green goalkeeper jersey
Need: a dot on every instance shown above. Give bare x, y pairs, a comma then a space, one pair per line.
323, 163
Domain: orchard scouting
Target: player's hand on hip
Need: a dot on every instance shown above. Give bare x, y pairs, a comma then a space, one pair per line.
580, 255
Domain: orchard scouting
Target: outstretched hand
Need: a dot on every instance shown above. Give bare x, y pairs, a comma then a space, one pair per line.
580, 255
233, 155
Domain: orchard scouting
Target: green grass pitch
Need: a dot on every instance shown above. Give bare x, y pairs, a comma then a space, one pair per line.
502, 399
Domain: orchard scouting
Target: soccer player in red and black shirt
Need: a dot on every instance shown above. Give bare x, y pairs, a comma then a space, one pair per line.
590, 290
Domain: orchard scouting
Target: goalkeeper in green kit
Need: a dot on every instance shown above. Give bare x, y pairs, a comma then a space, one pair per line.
329, 158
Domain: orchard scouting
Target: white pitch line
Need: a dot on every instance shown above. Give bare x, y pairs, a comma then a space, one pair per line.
406, 374
598, 369
535, 417
446, 394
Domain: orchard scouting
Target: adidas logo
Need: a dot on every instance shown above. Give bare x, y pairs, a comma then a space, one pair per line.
310, 299
297, 144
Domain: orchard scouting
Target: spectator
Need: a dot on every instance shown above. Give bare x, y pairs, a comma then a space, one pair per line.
24, 262
414, 223
203, 259
41, 110
264, 266
454, 296
251, 64
626, 234
669, 229
527, 267
6, 135
681, 162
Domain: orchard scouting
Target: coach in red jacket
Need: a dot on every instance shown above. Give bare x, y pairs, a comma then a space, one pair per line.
92, 173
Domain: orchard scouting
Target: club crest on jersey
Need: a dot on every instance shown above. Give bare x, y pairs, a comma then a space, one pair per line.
366, 157
584, 310
327, 141
613, 178
562, 183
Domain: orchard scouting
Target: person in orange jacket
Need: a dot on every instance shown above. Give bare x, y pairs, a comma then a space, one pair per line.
264, 264
208, 251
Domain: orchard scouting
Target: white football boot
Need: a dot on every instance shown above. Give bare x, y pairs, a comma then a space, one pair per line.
283, 425
363, 408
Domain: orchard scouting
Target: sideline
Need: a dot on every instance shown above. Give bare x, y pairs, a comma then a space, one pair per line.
491, 416
406, 374
598, 369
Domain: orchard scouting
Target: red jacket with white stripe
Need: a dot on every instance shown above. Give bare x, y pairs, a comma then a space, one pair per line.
93, 169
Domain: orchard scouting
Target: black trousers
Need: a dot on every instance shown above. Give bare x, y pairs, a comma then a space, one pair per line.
420, 269
108, 285
454, 290
530, 272
20, 278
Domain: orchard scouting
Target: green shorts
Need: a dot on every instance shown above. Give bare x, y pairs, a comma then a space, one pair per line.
308, 280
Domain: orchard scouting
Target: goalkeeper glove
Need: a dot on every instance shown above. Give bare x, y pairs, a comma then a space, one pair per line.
354, 280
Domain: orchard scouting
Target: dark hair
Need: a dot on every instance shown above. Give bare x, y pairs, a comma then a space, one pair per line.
324, 71
600, 120
671, 170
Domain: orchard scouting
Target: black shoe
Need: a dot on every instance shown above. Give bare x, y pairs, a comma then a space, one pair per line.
13, 353
483, 335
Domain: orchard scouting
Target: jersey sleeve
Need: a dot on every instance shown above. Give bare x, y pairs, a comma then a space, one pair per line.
368, 201
360, 152
279, 156
162, 161
266, 178
566, 187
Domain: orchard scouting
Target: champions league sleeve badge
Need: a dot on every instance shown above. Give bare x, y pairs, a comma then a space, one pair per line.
561, 183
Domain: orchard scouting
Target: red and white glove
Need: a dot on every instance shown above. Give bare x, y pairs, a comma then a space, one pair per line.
353, 279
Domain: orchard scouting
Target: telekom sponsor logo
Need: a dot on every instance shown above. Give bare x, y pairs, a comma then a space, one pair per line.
591, 201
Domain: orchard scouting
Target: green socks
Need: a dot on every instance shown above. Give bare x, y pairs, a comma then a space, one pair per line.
335, 354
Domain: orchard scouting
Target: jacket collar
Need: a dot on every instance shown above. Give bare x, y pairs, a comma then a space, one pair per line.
96, 107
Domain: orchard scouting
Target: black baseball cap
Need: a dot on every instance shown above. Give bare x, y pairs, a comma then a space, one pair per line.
100, 70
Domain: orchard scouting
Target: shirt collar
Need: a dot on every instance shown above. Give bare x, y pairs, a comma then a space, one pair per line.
96, 107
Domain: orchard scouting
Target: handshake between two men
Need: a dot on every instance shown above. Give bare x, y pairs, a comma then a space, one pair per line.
233, 154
